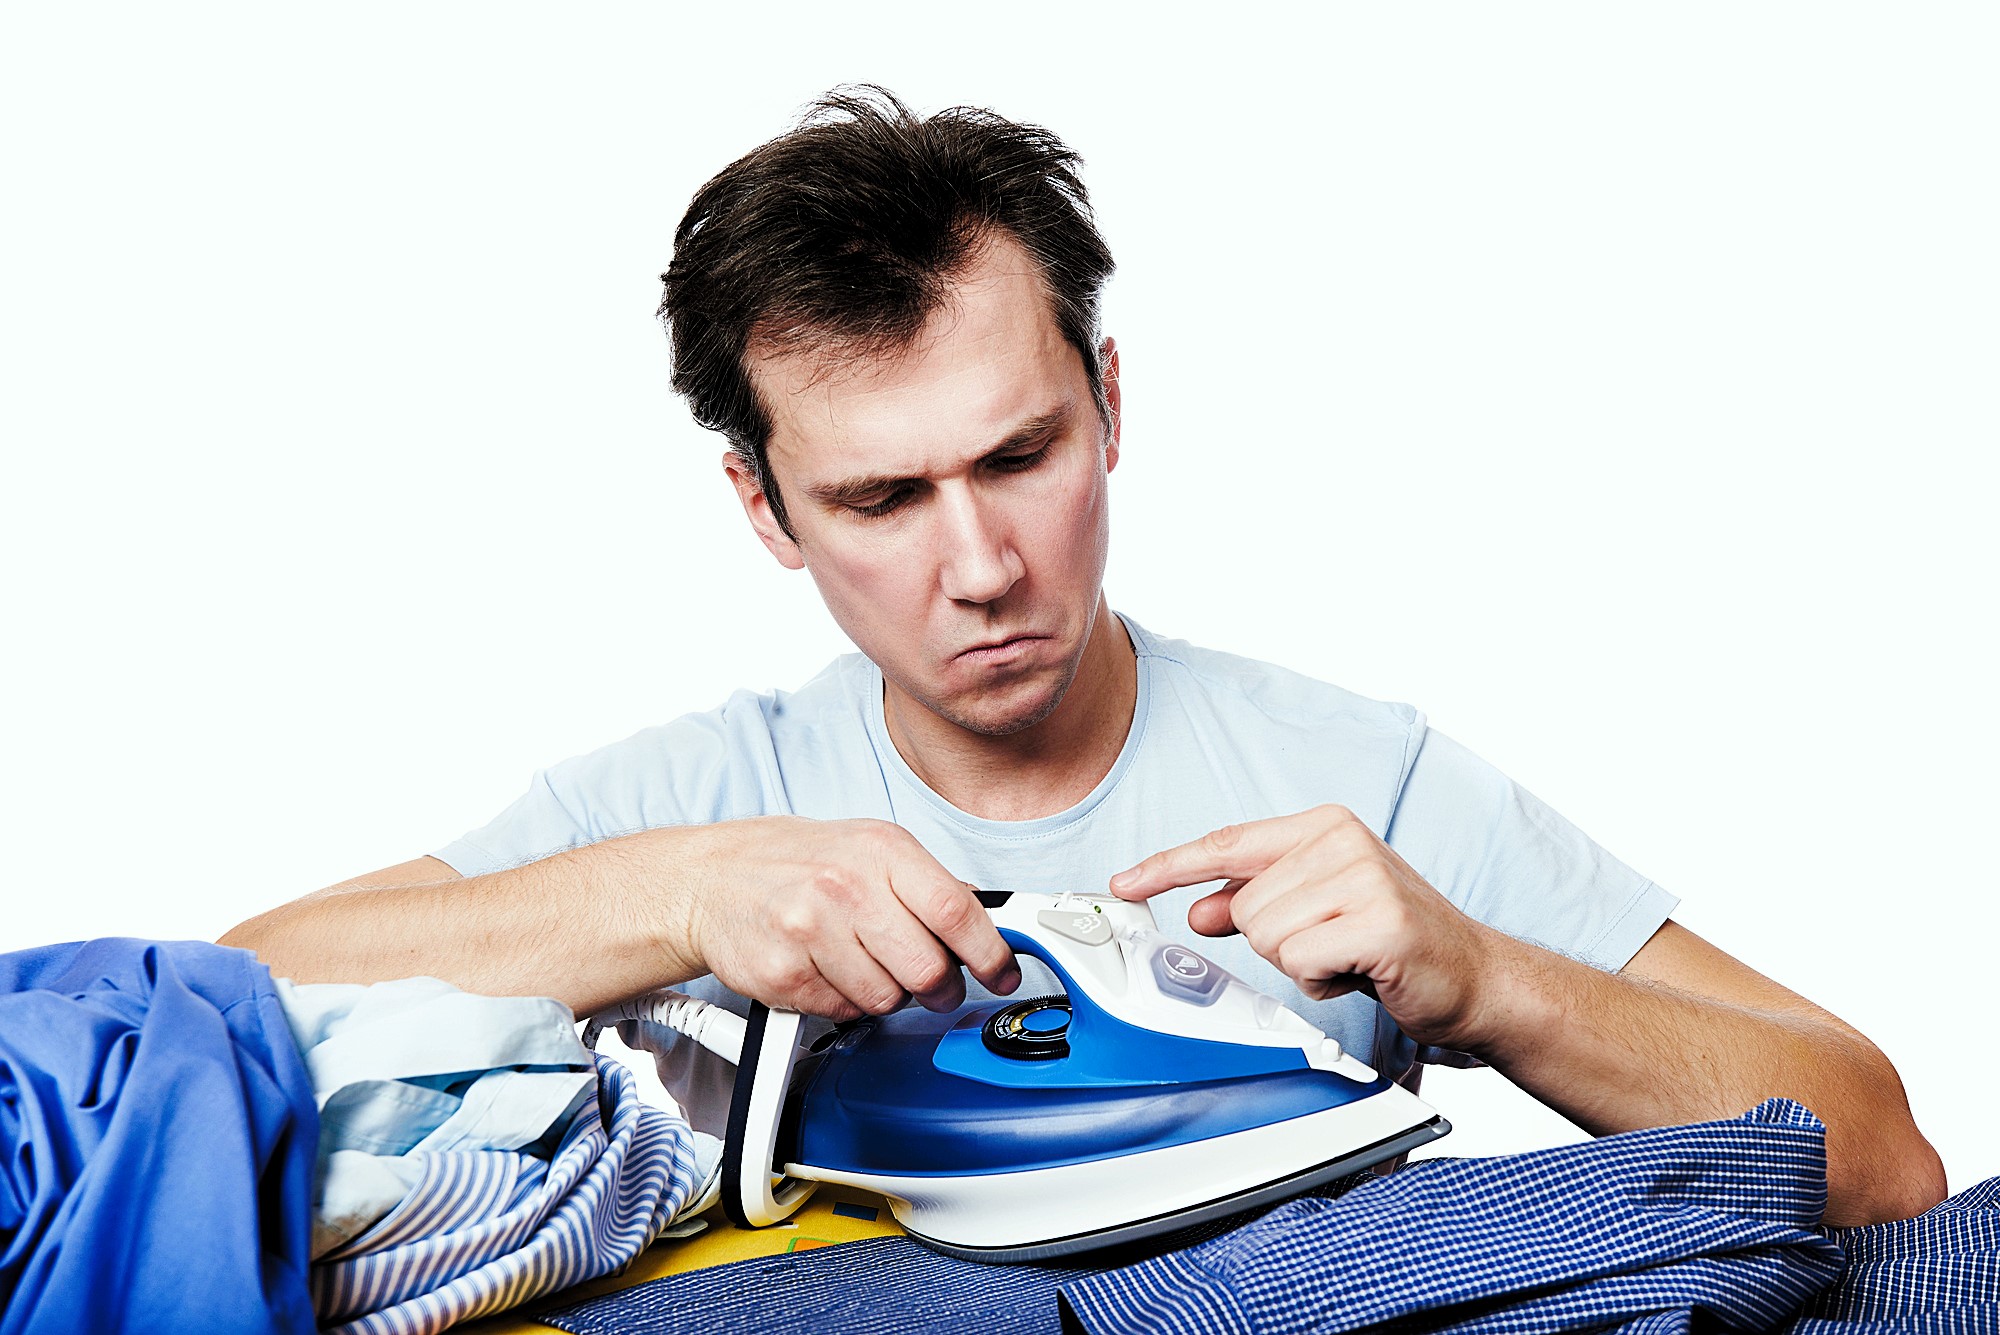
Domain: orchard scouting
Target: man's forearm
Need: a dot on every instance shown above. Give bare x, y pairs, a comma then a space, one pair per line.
839, 918
1616, 1053
590, 926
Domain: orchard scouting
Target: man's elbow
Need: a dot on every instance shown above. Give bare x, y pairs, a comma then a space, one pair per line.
1880, 1167
243, 936
1907, 1185
265, 937
1894, 1174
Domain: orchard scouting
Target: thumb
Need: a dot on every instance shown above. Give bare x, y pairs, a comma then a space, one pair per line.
1209, 915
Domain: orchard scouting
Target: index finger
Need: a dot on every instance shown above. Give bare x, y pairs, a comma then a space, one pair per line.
1234, 852
950, 910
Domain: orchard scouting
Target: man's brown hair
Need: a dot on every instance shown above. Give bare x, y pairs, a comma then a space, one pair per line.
841, 237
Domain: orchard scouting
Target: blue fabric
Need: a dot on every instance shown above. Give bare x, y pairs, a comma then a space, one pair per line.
157, 1129
1939, 1271
414, 1067
1215, 738
1658, 1232
1716, 1219
880, 1286
485, 1230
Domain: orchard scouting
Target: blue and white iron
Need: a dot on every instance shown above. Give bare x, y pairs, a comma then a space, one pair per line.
1158, 1091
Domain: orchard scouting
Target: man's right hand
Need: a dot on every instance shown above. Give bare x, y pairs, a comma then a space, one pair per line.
835, 918
838, 918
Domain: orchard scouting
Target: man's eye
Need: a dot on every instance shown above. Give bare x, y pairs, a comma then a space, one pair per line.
876, 509
1018, 463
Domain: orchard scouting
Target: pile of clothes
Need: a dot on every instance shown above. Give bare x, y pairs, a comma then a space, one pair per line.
191, 1145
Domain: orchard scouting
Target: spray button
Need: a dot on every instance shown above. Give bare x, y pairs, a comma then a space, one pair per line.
1186, 976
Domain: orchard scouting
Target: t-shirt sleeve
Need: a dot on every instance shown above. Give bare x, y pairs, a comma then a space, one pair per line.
1509, 860
698, 769
535, 825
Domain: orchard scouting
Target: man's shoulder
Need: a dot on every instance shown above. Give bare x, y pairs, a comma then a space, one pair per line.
837, 693
1283, 695
838, 690
751, 728
758, 753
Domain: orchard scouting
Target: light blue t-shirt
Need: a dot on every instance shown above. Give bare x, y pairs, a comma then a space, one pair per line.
1215, 740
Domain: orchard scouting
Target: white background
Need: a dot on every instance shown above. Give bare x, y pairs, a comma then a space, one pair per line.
1616, 384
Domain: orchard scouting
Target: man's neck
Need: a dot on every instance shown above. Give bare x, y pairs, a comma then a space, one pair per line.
1037, 771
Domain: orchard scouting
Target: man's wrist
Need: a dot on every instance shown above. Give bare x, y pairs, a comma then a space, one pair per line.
1519, 996
663, 873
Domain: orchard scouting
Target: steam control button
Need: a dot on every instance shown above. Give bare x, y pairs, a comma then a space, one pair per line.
1076, 924
1033, 1030
1187, 976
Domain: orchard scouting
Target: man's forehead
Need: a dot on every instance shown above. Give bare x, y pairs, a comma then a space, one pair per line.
989, 358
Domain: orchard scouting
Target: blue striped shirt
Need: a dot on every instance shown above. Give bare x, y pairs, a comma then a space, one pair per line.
485, 1230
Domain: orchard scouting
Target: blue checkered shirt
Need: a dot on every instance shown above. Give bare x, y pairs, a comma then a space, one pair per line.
1710, 1226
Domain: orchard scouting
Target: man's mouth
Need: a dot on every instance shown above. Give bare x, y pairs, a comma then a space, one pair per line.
994, 651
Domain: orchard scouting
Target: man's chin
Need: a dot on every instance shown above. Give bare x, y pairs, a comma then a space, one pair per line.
1003, 712
990, 718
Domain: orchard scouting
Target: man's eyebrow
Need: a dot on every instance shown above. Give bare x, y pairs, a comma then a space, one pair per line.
1035, 429
848, 491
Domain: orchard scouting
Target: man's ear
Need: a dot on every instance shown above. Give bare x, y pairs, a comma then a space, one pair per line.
1107, 362
758, 507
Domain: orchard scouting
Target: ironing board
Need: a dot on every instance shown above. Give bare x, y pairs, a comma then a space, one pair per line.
834, 1215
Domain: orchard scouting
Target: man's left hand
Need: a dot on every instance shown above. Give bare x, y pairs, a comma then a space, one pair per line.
1324, 899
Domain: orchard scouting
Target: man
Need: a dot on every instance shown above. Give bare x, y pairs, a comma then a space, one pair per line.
894, 323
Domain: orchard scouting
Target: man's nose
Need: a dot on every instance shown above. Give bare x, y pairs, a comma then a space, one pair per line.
980, 562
